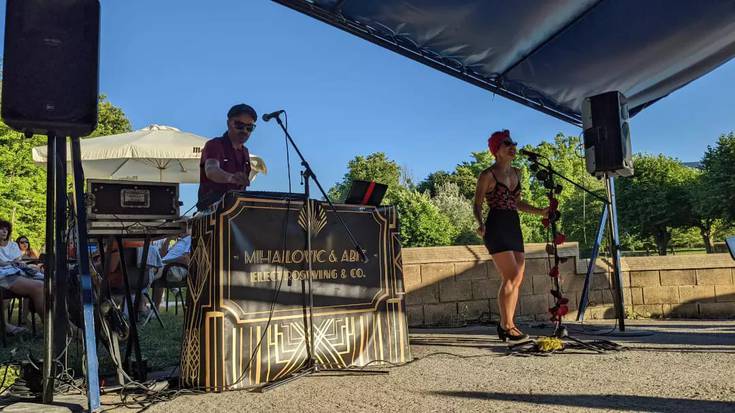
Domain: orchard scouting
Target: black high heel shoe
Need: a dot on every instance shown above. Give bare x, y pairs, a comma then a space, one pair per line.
507, 335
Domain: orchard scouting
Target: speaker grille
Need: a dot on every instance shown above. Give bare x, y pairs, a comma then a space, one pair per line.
50, 66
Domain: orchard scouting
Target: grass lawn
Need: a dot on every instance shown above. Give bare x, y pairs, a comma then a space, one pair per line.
159, 346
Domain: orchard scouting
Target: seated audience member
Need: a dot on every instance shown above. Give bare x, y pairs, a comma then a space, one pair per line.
27, 253
114, 275
15, 275
176, 253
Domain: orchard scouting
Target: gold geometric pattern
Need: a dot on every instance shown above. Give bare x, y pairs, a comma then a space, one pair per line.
190, 356
235, 350
318, 218
202, 264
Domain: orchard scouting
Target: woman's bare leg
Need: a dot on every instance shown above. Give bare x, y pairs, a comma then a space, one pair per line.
30, 288
511, 274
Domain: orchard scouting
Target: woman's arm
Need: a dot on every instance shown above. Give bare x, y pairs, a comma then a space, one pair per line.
530, 209
484, 183
524, 206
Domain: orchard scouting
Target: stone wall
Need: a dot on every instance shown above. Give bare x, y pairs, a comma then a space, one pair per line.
450, 285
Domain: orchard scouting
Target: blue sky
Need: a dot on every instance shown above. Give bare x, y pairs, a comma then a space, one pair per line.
184, 63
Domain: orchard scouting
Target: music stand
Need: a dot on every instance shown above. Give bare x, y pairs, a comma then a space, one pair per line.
366, 193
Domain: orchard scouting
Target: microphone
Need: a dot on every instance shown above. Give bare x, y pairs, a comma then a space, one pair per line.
530, 154
269, 116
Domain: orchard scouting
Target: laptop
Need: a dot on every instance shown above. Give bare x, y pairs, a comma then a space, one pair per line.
366, 193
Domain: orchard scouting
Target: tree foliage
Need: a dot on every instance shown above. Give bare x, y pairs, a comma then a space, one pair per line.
665, 204
23, 184
422, 224
464, 175
374, 167
111, 120
718, 181
458, 209
580, 210
654, 200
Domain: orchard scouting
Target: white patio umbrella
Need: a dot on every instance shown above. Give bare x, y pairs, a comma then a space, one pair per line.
155, 154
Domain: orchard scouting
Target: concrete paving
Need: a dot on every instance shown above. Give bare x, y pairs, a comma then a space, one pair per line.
667, 366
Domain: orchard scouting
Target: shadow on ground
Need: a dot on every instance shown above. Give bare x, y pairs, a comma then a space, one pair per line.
689, 336
613, 401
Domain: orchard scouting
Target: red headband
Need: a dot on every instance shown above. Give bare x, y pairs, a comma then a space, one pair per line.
496, 139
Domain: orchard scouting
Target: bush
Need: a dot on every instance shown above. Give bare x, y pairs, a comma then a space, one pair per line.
422, 223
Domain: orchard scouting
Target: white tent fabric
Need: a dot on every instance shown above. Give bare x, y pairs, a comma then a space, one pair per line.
155, 153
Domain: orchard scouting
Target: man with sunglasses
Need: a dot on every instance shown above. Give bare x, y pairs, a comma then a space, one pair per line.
225, 162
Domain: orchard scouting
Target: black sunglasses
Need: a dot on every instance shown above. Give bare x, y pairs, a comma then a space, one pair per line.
509, 142
24, 241
244, 126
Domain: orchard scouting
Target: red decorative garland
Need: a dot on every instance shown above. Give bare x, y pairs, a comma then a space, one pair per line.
561, 307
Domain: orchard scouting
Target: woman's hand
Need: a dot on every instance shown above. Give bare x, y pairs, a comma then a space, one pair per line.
481, 230
545, 213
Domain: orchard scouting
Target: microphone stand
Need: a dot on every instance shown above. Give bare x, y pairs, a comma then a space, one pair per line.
311, 365
560, 303
608, 217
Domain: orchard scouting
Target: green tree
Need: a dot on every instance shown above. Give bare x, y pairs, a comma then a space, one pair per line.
422, 224
654, 200
111, 120
23, 184
459, 211
703, 214
718, 180
374, 167
580, 211
434, 181
464, 175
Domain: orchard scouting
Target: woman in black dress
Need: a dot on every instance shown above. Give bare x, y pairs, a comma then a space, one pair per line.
499, 186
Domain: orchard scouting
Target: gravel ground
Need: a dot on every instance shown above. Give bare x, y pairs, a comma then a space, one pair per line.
668, 366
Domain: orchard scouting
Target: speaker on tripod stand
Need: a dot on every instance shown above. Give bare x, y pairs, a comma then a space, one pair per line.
50, 87
607, 154
607, 135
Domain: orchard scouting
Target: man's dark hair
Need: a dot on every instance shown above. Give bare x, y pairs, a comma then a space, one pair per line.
241, 109
9, 226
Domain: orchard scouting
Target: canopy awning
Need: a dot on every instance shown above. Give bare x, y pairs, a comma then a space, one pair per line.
549, 55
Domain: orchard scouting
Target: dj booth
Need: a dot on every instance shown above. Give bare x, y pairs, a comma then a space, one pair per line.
247, 307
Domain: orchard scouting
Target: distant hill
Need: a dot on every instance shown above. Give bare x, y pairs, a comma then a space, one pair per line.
695, 165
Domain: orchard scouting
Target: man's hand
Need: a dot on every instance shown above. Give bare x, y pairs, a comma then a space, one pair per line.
240, 178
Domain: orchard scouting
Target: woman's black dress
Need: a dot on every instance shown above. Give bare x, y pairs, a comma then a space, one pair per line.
503, 225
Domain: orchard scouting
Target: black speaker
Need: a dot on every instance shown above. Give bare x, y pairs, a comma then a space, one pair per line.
607, 135
50, 66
